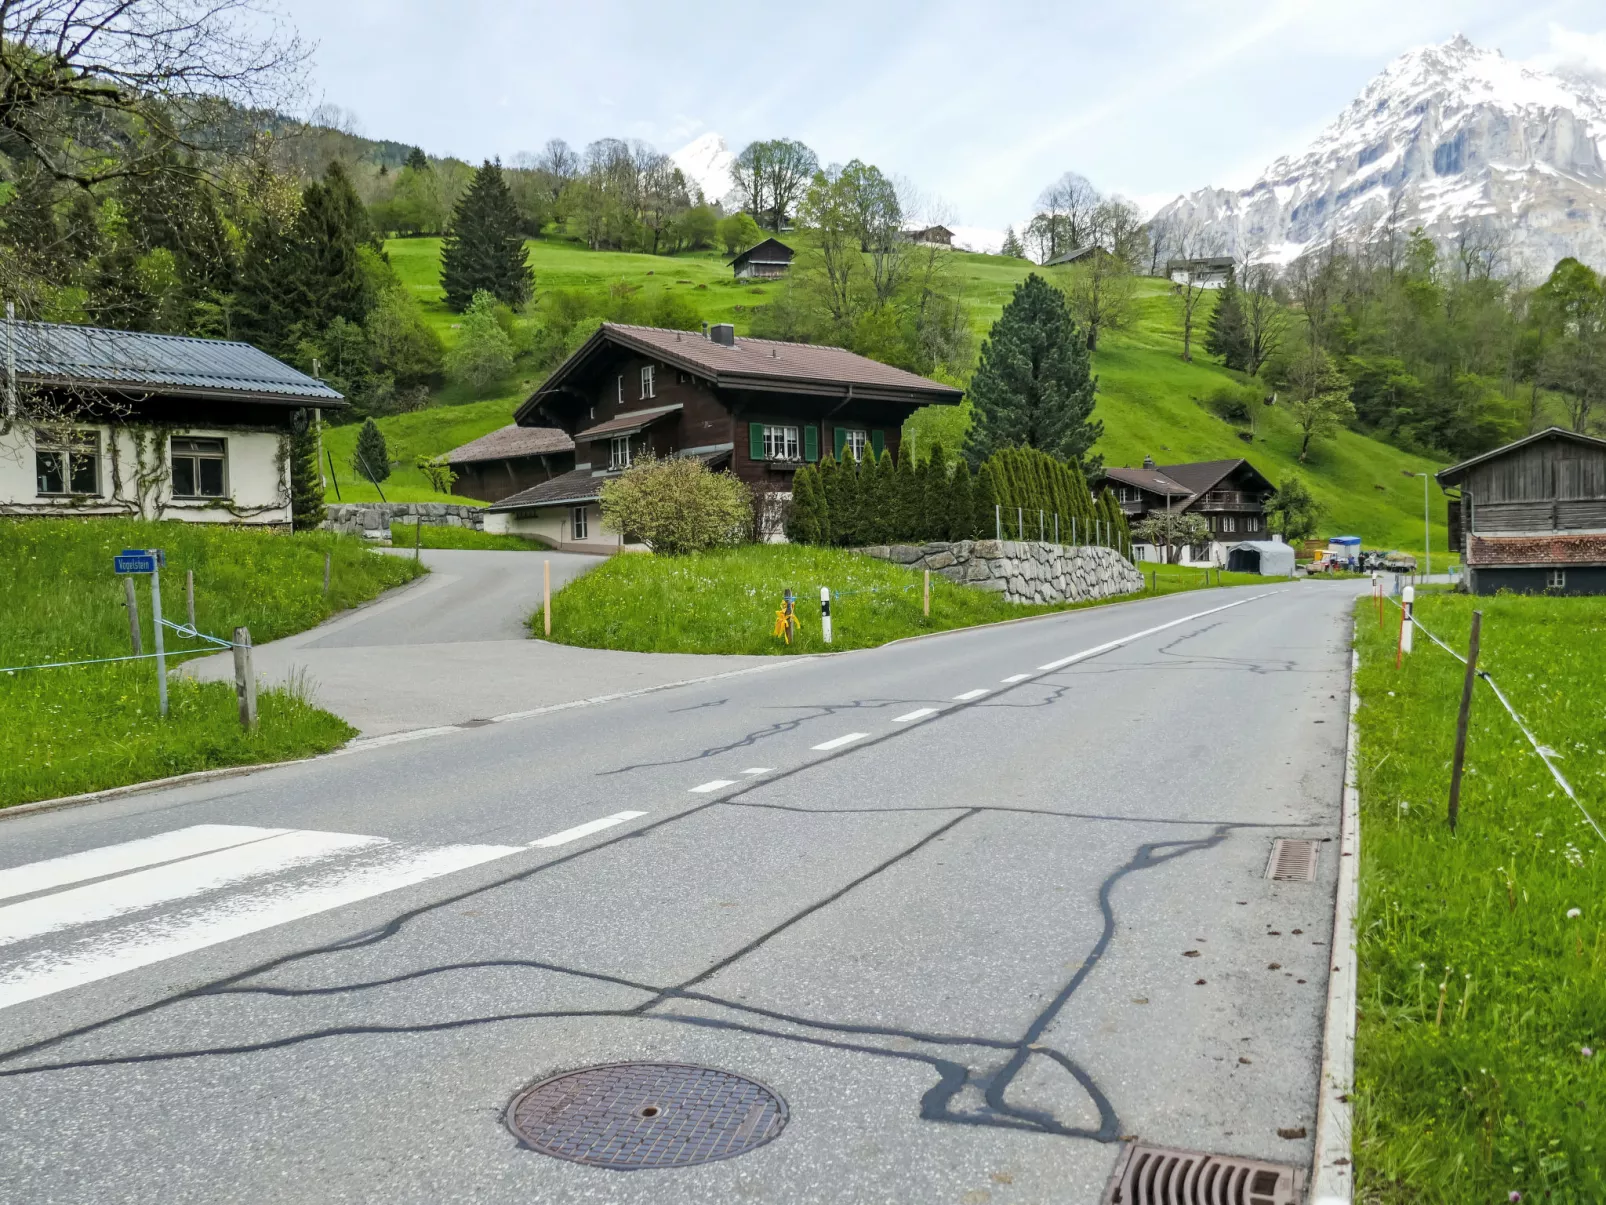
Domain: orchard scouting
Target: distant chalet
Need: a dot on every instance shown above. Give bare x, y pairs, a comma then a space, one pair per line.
757, 407
931, 236
1230, 495
765, 261
1210, 272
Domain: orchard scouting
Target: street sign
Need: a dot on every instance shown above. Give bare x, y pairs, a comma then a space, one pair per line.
139, 560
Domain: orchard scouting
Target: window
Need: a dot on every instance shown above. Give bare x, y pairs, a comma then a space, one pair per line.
1229, 523
619, 394
620, 459
780, 443
1252, 523
67, 462
1556, 579
198, 468
855, 444
647, 374
577, 523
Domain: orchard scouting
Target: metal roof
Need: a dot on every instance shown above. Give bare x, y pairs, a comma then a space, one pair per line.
1452, 475
53, 353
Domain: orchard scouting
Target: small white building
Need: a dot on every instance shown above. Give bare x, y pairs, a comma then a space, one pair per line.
122, 423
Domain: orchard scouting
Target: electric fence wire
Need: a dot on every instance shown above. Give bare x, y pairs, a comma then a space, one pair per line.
183, 629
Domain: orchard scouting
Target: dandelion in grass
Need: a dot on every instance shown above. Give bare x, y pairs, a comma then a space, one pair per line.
1574, 913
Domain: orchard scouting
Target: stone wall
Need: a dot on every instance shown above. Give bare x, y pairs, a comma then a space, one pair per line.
373, 519
1023, 571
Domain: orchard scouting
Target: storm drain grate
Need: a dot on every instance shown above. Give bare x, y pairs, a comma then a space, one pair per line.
631, 1116
1157, 1175
1292, 860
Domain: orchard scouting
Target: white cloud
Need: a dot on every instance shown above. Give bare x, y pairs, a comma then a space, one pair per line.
1574, 52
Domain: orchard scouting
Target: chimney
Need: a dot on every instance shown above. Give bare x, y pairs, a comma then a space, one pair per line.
723, 333
1148, 462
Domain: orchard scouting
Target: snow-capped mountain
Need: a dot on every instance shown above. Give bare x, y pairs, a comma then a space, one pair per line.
706, 161
1446, 137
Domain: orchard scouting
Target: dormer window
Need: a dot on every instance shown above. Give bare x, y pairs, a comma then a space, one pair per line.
620, 457
619, 396
647, 374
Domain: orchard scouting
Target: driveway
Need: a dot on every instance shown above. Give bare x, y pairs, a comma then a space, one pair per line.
452, 647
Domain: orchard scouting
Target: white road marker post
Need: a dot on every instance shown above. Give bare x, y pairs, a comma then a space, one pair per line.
156, 631
825, 613
1407, 601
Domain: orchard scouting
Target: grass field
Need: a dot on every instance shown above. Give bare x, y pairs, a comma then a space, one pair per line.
1150, 400
406, 535
64, 731
1501, 1088
725, 601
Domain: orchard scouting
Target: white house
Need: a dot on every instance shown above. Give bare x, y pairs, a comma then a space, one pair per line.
104, 422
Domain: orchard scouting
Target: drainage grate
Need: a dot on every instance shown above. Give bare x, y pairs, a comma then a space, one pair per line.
1292, 861
640, 1115
1157, 1175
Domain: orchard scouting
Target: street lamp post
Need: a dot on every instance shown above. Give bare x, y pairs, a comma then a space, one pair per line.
1427, 543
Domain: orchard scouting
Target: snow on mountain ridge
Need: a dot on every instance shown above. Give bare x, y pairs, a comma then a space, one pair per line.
706, 162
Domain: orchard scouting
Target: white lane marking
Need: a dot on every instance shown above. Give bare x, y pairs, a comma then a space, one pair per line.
194, 928
163, 884
1016, 678
129, 855
1117, 643
714, 785
917, 714
584, 830
969, 695
838, 742
395, 738
758, 770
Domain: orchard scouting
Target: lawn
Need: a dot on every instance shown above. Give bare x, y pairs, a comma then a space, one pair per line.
725, 601
1482, 994
69, 730
408, 535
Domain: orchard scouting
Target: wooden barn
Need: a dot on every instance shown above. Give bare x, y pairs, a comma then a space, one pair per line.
765, 261
1531, 517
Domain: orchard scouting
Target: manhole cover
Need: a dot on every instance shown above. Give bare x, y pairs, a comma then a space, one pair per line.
638, 1115
1158, 1175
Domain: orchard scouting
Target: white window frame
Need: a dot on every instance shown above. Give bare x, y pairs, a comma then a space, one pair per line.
619, 392
856, 442
579, 526
781, 443
1229, 523
619, 452
222, 456
73, 444
1252, 523
649, 380
1556, 579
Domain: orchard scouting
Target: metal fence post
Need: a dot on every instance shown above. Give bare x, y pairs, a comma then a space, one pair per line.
1039, 524
156, 631
1056, 527
998, 521
327, 557
418, 535
1020, 522
245, 681
1461, 720
131, 601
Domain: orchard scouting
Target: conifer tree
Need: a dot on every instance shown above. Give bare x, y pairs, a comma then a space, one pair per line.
1033, 387
887, 486
903, 499
306, 483
830, 497
484, 248
984, 503
934, 491
961, 507
1227, 333
416, 160
872, 502
371, 459
844, 504
1012, 244
803, 524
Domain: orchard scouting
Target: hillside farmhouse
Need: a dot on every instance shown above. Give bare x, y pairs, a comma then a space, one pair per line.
931, 236
509, 460
1531, 517
1078, 255
106, 422
756, 407
1230, 495
1210, 272
764, 261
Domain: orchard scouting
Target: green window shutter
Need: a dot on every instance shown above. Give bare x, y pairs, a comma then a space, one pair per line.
811, 443
755, 441
841, 440
877, 442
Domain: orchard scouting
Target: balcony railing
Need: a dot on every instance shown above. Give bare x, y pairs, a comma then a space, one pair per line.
1230, 500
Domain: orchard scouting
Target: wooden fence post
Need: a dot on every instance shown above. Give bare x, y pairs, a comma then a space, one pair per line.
245, 682
1461, 720
327, 557
418, 535
131, 601
925, 602
546, 596
189, 595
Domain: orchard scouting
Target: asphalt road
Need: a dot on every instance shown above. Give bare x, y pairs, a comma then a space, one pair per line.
975, 906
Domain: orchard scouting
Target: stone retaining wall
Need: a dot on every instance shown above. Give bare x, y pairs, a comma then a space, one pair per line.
373, 519
1023, 571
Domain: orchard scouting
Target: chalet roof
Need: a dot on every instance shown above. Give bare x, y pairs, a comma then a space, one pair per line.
770, 251
758, 364
1202, 475
510, 443
1152, 480
626, 424
1519, 551
568, 489
1213, 263
1071, 256
1456, 472
57, 354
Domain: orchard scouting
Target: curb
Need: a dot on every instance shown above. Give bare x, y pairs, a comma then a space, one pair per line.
154, 784
1333, 1173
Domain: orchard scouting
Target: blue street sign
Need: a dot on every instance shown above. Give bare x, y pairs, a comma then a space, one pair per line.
137, 562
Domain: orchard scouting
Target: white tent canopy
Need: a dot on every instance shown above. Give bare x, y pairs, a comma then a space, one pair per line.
1266, 557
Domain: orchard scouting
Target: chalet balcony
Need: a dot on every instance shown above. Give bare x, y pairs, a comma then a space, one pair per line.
1234, 500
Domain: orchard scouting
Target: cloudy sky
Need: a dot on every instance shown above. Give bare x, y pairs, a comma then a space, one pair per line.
978, 104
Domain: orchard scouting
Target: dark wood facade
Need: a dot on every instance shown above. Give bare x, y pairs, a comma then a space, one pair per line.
1230, 495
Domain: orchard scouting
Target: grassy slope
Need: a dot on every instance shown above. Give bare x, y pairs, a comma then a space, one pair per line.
725, 601
1147, 401
1496, 1097
63, 731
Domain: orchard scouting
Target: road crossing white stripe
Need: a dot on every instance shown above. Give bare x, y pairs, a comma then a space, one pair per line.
838, 742
163, 884
584, 830
715, 785
969, 695
199, 926
758, 770
1115, 644
916, 714
1017, 678
130, 855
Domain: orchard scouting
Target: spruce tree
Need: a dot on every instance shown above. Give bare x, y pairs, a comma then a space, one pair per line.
371, 459
903, 500
325, 280
802, 517
984, 504
961, 508
1012, 245
934, 491
263, 312
306, 483
1033, 387
485, 247
1227, 333
874, 490
416, 160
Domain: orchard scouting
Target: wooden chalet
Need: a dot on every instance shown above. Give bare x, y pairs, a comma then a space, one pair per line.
756, 407
1078, 255
1531, 517
510, 460
765, 261
1231, 495
1209, 272
931, 236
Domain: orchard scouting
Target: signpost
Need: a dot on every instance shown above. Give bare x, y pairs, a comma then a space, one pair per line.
151, 561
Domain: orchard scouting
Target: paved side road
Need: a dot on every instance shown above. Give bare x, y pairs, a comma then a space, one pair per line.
976, 907
452, 647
